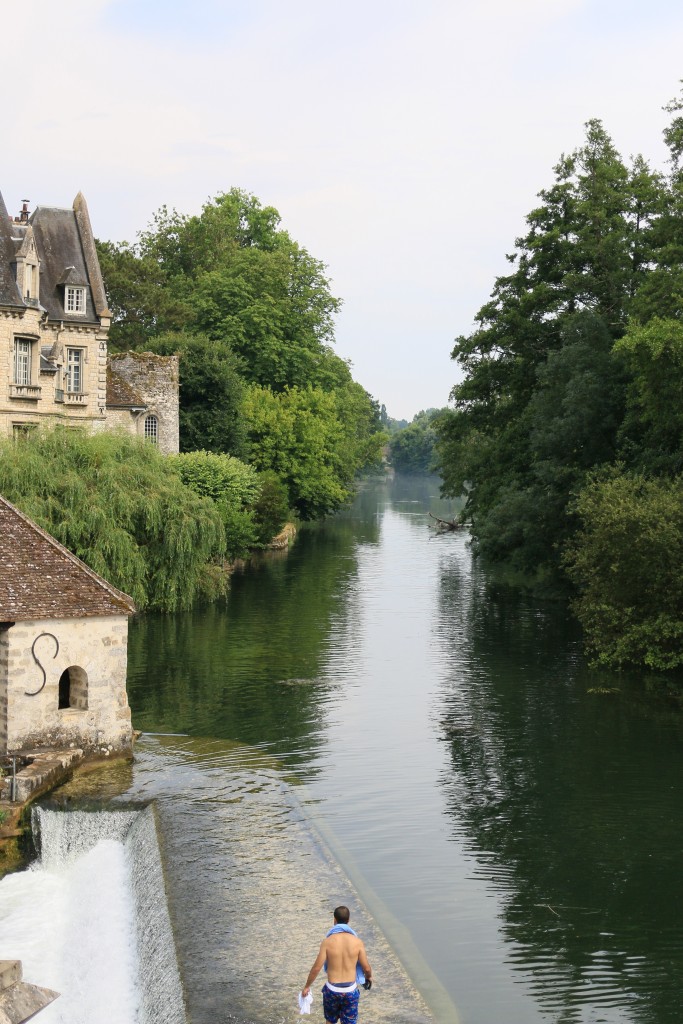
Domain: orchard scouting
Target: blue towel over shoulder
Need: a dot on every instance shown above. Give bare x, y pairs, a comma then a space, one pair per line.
360, 974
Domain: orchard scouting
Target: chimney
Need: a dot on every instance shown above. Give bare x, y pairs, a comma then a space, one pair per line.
24, 215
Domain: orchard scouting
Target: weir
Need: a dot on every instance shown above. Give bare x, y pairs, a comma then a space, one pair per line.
90, 919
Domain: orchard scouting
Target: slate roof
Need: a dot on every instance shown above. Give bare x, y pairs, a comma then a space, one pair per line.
9, 293
59, 247
41, 579
121, 394
67, 253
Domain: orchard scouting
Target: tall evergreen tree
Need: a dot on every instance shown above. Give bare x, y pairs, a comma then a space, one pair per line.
585, 252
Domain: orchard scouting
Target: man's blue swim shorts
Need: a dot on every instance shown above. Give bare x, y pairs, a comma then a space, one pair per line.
341, 1005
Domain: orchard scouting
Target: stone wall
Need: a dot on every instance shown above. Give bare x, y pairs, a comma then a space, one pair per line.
156, 379
97, 718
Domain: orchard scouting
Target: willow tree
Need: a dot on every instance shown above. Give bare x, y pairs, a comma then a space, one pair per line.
123, 509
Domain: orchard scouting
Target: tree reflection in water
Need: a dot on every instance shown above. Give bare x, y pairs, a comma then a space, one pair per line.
569, 803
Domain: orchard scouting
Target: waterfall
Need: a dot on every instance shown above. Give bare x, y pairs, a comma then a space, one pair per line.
90, 920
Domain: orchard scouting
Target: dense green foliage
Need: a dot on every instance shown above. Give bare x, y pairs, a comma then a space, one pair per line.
411, 448
250, 312
253, 506
626, 561
315, 441
576, 364
123, 509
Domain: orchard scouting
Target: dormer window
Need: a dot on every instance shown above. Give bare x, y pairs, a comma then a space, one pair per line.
74, 300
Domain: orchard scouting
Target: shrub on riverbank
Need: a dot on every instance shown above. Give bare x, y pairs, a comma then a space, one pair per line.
625, 561
123, 508
252, 505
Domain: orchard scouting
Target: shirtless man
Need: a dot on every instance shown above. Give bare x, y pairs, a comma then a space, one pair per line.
343, 951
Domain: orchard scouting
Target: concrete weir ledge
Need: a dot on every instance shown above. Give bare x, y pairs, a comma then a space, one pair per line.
38, 772
20, 1001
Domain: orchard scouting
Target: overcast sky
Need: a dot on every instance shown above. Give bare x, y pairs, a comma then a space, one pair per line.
402, 141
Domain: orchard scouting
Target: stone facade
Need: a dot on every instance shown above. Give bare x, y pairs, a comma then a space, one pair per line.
63, 646
54, 323
83, 701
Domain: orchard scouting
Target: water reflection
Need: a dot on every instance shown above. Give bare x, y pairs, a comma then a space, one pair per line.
523, 833
568, 804
252, 669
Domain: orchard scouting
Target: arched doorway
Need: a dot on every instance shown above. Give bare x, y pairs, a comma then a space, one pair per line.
73, 689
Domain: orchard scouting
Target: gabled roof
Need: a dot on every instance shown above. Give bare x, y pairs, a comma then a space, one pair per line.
41, 579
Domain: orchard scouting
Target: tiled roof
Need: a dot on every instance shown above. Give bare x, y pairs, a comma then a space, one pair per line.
41, 579
121, 394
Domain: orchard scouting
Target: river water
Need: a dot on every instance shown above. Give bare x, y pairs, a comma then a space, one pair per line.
372, 707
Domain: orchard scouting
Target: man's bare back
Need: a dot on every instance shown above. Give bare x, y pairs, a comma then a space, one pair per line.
342, 951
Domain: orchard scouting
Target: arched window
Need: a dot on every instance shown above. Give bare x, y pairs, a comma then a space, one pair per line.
73, 689
152, 429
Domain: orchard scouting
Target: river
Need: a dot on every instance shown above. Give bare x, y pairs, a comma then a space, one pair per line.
509, 819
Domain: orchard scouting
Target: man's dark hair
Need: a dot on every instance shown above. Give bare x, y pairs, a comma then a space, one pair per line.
342, 915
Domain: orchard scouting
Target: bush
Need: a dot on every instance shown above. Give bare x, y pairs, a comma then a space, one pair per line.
625, 561
271, 509
233, 486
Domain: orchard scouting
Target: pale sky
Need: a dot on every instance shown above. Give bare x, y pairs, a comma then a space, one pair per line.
402, 141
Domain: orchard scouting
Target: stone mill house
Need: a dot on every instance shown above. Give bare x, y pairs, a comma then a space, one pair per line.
63, 646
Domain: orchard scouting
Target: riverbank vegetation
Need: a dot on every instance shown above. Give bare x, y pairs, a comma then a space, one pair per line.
158, 527
412, 446
251, 315
566, 431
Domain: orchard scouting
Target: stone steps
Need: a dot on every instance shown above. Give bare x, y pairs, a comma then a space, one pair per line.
20, 1001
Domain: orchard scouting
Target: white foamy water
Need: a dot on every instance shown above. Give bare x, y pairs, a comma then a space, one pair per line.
89, 920
73, 934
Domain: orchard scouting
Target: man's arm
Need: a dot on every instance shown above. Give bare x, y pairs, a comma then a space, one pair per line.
315, 970
364, 962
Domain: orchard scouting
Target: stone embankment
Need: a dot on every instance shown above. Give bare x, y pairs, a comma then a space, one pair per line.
20, 1001
34, 773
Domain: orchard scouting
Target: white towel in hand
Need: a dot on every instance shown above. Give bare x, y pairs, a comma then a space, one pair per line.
305, 1002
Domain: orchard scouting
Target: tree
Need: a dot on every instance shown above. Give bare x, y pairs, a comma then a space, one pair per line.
315, 441
412, 448
584, 253
233, 275
121, 506
244, 305
652, 433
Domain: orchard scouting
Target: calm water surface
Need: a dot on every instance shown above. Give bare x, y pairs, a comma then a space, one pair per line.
511, 831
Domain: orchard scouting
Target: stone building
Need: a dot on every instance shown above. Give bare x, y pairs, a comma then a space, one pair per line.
142, 394
63, 646
54, 323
